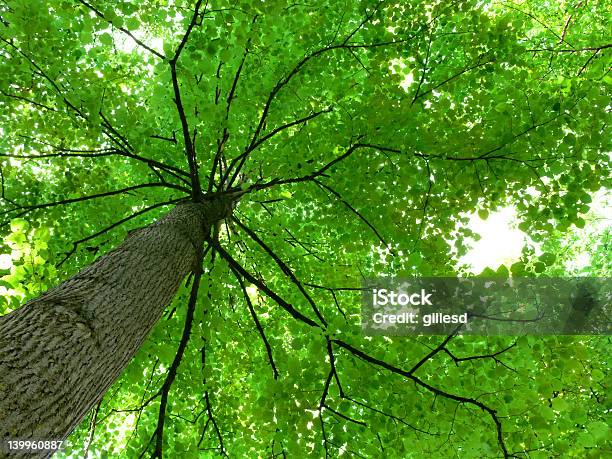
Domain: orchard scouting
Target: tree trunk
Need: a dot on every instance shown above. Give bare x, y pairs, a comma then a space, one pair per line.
60, 352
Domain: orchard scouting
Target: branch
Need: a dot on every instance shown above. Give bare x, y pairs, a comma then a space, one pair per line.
321, 406
350, 151
284, 268
456, 75
30, 101
257, 323
214, 422
190, 27
196, 189
344, 416
573, 50
425, 204
282, 303
356, 212
457, 398
188, 141
114, 225
85, 154
217, 162
68, 152
243, 156
425, 64
587, 62
433, 352
298, 67
193, 296
332, 364
167, 139
42, 73
124, 144
320, 172
2, 188
93, 196
526, 13
390, 416
515, 137
565, 27
230, 97
93, 423
493, 356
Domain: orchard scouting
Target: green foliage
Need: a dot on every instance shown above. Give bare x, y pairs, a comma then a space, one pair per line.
436, 109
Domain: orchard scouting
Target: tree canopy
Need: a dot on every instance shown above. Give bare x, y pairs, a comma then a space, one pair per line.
360, 137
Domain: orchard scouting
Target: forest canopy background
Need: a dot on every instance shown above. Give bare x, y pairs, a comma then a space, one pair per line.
360, 137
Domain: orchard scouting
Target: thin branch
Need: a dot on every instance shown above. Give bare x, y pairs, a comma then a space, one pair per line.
124, 144
433, 352
92, 154
230, 96
240, 159
425, 64
43, 74
92, 196
494, 356
2, 188
565, 27
573, 50
68, 152
29, 101
284, 268
390, 416
587, 62
345, 417
193, 296
332, 364
215, 426
438, 392
425, 204
356, 212
517, 136
260, 329
167, 139
190, 27
452, 77
322, 171
76, 244
547, 27
92, 429
282, 303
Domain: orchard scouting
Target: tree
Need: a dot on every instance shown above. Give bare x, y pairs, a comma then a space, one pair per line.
305, 147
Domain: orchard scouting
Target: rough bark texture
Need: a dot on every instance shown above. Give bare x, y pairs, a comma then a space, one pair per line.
60, 352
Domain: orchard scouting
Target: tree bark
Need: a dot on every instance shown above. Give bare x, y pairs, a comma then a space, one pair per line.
60, 352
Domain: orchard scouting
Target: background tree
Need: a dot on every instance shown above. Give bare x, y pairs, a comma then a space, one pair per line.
358, 137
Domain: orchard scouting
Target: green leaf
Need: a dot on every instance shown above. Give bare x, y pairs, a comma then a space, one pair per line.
483, 214
132, 24
19, 225
547, 258
106, 39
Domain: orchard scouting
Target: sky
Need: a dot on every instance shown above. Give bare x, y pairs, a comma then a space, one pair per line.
501, 242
